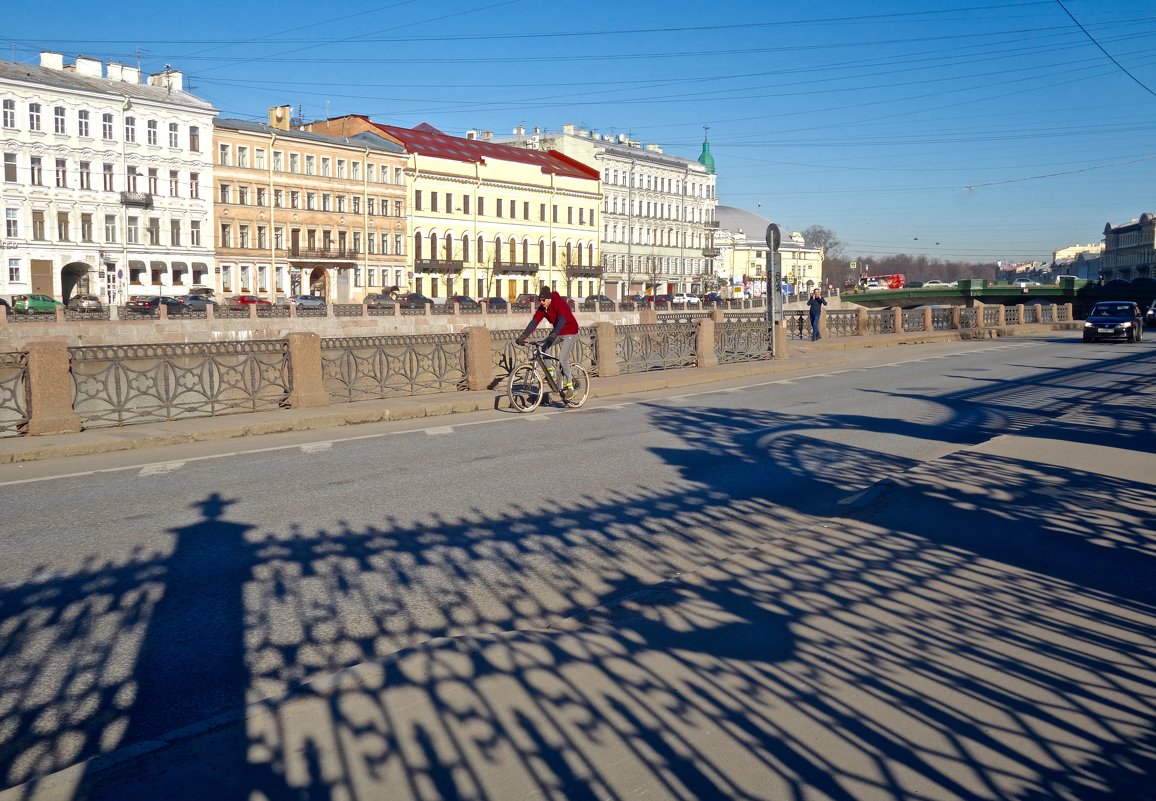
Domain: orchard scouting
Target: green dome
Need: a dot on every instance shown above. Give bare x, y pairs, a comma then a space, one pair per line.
705, 158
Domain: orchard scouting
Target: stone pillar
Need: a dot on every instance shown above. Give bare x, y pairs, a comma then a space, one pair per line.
717, 314
928, 323
704, 352
1019, 314
114, 313
978, 314
60, 313
162, 311
305, 366
606, 349
956, 318
292, 311
1000, 315
252, 311
647, 315
897, 319
1068, 312
823, 324
50, 387
210, 312
3, 314
479, 364
779, 330
862, 321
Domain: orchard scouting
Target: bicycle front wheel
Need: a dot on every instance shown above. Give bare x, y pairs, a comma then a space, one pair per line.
581, 386
524, 388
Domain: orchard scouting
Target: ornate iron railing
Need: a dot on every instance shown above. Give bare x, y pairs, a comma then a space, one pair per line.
655, 346
79, 314
913, 319
365, 368
1009, 315
968, 318
991, 316
798, 324
881, 321
119, 385
14, 400
941, 319
273, 311
842, 322
745, 341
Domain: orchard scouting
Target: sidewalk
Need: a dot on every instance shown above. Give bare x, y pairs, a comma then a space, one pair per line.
800, 356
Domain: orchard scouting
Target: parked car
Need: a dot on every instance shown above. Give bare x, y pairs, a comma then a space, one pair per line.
247, 300
465, 303
378, 299
307, 302
934, 282
151, 304
1115, 319
1150, 315
714, 297
5, 304
598, 299
496, 304
527, 297
660, 299
634, 299
686, 299
199, 302
34, 304
413, 300
85, 303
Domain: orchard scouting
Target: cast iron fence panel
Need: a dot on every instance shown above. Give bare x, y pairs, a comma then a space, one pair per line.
1062, 315
339, 310
990, 316
505, 354
913, 319
880, 321
745, 341
365, 368
655, 346
1031, 314
128, 384
233, 312
968, 318
842, 322
79, 314
31, 317
14, 400
1009, 315
797, 323
266, 311
315, 311
941, 319
1047, 314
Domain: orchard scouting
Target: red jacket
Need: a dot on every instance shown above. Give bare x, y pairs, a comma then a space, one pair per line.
559, 314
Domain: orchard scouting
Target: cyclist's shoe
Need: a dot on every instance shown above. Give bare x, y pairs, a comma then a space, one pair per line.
568, 391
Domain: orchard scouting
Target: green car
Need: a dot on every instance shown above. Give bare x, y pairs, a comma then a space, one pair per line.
34, 304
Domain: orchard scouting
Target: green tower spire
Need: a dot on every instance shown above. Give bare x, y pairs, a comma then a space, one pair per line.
705, 158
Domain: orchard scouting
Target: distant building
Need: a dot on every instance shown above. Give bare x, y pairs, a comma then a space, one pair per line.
1130, 249
1081, 261
658, 220
742, 241
107, 180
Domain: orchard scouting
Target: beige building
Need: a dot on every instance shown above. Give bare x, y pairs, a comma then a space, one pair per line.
658, 210
744, 257
1130, 249
303, 213
486, 219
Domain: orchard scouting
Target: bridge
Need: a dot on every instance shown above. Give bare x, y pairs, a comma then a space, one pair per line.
1080, 293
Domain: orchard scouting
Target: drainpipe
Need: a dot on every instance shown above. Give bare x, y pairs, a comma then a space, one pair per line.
124, 276
273, 230
365, 222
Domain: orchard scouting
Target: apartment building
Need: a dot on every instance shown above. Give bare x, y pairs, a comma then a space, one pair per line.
658, 210
1130, 249
103, 180
745, 261
490, 220
298, 212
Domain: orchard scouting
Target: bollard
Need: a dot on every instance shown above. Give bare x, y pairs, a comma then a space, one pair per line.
50, 390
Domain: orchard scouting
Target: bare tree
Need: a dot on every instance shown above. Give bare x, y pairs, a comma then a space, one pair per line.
819, 237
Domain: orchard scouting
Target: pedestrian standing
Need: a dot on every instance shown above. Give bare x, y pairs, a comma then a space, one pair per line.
815, 304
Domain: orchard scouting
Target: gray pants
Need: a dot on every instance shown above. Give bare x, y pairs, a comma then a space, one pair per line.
565, 346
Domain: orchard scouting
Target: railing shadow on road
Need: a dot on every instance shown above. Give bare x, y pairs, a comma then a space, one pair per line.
960, 630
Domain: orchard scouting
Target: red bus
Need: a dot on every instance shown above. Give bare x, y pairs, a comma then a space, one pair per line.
893, 281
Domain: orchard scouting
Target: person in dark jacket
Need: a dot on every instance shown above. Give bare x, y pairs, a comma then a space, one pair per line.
816, 303
552, 307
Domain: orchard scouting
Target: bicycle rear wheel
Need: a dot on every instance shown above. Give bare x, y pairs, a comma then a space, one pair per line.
581, 386
524, 388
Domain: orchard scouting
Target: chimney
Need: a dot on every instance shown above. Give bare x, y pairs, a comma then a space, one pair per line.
486, 136
471, 134
568, 128
130, 74
279, 117
171, 79
51, 61
520, 130
114, 71
88, 66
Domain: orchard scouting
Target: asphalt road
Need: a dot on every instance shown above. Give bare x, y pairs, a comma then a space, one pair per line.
925, 574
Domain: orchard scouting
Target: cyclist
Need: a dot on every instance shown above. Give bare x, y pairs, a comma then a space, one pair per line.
552, 307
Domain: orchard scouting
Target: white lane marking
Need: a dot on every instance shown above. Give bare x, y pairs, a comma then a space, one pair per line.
439, 431
160, 469
316, 447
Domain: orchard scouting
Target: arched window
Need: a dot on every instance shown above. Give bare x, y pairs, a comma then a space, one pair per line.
525, 251
449, 247
569, 255
465, 249
542, 252
513, 251
417, 247
497, 250
553, 254
590, 253
433, 246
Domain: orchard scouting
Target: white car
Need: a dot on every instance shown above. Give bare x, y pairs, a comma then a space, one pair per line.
686, 298
934, 282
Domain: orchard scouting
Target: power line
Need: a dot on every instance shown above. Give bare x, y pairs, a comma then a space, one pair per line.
1105, 52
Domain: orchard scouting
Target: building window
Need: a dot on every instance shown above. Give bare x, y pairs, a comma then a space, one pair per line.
110, 228
12, 223
242, 196
262, 237
223, 155
85, 227
109, 179
279, 238
341, 203
9, 113
106, 127
132, 230
369, 206
130, 129
62, 173
294, 199
62, 226
34, 116
85, 175
174, 183
242, 156
311, 200
417, 200
59, 122
38, 225
194, 185
294, 162
226, 238
498, 213
310, 164
10, 168
326, 200
277, 163
14, 271
174, 136
195, 233
261, 196
278, 198
175, 232
151, 132
154, 231
243, 236
153, 188
194, 139
37, 171
357, 204
259, 158
466, 204
325, 167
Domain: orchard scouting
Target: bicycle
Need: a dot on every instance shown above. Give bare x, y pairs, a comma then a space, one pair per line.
529, 382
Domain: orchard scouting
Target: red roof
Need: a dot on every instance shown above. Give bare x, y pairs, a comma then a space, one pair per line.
426, 140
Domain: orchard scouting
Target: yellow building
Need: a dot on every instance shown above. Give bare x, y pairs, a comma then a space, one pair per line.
302, 213
745, 258
487, 219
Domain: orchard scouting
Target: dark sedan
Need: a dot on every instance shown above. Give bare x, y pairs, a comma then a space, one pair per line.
413, 300
1150, 315
1115, 319
464, 303
496, 303
151, 304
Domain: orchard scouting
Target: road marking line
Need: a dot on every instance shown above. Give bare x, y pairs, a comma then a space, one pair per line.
160, 469
439, 431
316, 447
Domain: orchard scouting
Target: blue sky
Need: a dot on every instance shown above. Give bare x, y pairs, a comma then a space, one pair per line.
975, 129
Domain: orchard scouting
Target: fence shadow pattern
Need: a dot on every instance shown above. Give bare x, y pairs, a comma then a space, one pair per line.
732, 644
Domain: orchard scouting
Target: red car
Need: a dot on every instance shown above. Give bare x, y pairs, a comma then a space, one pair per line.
247, 300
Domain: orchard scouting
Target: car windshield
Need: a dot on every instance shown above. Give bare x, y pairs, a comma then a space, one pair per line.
1112, 310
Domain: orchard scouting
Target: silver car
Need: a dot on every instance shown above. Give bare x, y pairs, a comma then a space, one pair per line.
85, 303
307, 302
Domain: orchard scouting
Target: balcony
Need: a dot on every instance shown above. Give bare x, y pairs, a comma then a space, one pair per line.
516, 268
322, 254
711, 253
141, 199
584, 271
435, 266
712, 224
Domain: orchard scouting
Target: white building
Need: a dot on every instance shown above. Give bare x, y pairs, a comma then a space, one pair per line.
744, 257
658, 210
107, 181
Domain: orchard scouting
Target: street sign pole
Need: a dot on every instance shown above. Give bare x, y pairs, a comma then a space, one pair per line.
774, 282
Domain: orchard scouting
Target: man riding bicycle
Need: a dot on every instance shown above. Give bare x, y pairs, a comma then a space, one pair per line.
552, 307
